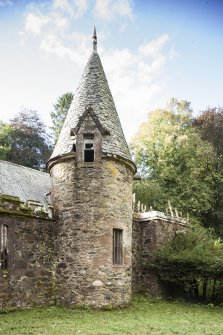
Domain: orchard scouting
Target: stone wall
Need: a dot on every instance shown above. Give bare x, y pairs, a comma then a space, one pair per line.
28, 280
89, 202
150, 231
69, 261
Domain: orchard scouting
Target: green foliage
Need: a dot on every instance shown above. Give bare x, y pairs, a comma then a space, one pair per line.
24, 141
210, 125
196, 245
5, 133
172, 157
149, 192
60, 112
192, 258
144, 316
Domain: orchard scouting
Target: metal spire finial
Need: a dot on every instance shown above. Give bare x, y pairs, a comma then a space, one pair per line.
94, 41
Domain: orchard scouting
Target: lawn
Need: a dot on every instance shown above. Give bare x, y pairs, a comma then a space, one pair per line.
143, 317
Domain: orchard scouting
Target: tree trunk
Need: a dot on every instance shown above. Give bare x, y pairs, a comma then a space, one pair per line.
213, 296
205, 286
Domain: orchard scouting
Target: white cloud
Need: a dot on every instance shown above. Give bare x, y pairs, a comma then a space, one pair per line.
54, 17
134, 76
134, 80
54, 45
81, 5
110, 9
4, 3
102, 8
64, 5
75, 8
123, 8
153, 48
35, 22
59, 21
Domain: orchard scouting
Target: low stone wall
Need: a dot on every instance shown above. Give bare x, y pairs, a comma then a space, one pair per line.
28, 278
38, 267
150, 231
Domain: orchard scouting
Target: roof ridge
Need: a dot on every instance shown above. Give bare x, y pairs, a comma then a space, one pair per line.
22, 166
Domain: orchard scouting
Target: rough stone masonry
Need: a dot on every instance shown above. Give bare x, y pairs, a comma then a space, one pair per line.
82, 252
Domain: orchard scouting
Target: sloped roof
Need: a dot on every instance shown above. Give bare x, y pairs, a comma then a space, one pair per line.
94, 90
23, 182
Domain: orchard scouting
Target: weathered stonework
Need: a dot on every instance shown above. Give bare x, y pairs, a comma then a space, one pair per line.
89, 202
82, 256
28, 280
92, 172
70, 261
150, 231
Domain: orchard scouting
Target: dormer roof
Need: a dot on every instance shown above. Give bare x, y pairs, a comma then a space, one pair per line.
89, 110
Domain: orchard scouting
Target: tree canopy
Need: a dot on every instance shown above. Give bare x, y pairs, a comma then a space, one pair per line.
5, 133
209, 123
59, 113
25, 141
174, 159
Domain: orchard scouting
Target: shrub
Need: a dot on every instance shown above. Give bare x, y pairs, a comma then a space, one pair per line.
192, 259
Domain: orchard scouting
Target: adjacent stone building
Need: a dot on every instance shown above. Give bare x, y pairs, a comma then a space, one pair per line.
27, 265
66, 237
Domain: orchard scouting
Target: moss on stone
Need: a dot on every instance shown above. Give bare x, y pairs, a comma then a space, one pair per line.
9, 198
25, 208
12, 213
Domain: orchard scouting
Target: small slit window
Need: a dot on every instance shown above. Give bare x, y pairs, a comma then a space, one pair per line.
4, 261
117, 254
74, 147
89, 148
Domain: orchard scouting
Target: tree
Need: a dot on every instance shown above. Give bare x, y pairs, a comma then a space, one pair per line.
25, 140
173, 157
5, 133
210, 125
60, 112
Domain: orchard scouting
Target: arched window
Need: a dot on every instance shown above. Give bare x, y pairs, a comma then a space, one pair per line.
4, 261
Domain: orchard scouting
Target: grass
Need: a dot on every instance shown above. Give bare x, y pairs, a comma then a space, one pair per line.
143, 317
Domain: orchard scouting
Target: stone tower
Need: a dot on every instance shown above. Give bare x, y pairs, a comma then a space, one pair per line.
92, 172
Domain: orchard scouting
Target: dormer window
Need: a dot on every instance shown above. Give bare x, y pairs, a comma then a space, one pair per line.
89, 148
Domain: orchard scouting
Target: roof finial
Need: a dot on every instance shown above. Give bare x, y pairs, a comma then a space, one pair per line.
94, 41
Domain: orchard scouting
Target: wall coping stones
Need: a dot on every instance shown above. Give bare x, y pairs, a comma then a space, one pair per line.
156, 215
13, 206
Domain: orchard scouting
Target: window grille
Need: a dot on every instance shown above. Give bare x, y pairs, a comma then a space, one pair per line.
117, 255
4, 247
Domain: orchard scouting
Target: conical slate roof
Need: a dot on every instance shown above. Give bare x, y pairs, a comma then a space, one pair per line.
94, 90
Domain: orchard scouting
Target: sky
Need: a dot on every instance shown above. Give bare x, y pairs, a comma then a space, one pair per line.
151, 51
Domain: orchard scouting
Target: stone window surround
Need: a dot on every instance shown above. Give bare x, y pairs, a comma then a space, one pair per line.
89, 151
4, 246
117, 247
